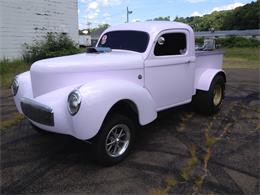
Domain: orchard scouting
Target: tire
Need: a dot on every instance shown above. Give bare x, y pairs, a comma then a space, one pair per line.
108, 150
209, 102
40, 131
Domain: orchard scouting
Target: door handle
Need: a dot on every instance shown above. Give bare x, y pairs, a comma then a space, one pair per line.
188, 62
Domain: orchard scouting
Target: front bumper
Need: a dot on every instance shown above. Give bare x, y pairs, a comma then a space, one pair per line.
49, 111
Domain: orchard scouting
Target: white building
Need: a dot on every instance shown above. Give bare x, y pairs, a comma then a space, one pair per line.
22, 21
84, 40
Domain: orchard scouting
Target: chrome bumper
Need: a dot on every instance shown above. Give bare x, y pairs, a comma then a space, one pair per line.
37, 112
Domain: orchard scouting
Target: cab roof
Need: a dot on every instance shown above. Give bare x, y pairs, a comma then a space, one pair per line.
151, 26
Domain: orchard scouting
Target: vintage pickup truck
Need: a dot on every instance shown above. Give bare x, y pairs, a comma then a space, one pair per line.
135, 71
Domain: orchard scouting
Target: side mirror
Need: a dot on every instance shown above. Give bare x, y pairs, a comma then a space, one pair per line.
161, 41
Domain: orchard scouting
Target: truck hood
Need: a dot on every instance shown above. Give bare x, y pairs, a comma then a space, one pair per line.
116, 60
51, 74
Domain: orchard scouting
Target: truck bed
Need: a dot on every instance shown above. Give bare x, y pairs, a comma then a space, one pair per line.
206, 53
209, 59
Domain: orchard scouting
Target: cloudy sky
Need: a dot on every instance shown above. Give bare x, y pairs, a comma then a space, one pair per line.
114, 11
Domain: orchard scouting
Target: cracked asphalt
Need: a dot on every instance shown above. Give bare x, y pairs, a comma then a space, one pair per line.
56, 164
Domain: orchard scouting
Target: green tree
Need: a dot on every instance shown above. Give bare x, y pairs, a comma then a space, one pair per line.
168, 18
246, 17
101, 27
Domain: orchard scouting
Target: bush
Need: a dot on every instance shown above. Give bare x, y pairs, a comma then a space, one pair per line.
231, 42
199, 40
10, 68
53, 45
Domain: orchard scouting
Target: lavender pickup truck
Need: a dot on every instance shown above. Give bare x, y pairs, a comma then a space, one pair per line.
135, 71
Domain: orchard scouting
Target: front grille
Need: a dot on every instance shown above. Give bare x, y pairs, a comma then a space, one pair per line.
37, 112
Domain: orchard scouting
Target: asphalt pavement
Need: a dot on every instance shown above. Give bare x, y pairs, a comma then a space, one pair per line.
217, 154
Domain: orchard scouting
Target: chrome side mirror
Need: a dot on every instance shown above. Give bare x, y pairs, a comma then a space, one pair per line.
161, 41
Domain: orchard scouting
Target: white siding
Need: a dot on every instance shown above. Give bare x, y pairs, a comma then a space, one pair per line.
22, 21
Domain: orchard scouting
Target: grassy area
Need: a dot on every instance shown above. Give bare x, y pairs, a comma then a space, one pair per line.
16, 117
9, 69
234, 58
242, 58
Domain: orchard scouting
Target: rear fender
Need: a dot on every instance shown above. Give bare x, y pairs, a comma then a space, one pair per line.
204, 79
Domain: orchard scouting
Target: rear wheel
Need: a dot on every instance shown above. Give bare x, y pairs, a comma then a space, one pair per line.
209, 102
114, 140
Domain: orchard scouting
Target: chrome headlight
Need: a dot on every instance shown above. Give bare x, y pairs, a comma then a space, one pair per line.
74, 101
15, 86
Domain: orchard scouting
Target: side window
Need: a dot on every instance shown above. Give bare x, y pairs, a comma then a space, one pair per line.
171, 44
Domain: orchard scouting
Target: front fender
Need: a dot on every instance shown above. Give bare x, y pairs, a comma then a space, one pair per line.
24, 90
204, 79
98, 97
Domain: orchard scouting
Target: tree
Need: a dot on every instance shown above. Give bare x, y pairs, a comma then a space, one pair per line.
246, 17
168, 18
101, 27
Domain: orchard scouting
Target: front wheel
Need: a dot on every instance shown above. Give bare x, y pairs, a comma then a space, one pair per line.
114, 140
209, 102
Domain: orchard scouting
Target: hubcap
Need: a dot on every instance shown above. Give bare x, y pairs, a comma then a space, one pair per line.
117, 140
217, 95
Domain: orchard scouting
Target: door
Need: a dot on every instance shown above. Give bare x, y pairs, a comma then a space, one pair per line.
169, 69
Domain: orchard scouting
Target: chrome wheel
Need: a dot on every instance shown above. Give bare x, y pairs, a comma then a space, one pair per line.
117, 140
217, 95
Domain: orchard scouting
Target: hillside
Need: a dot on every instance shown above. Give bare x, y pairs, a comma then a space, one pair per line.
241, 18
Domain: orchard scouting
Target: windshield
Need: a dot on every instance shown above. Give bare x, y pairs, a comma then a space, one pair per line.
125, 40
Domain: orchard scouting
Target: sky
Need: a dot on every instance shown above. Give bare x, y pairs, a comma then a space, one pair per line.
95, 12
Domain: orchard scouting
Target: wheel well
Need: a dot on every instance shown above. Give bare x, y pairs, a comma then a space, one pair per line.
223, 75
125, 107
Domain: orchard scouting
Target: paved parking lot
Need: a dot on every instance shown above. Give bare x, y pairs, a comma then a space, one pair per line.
181, 152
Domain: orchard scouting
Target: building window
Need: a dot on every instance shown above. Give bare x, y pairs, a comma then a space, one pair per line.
171, 44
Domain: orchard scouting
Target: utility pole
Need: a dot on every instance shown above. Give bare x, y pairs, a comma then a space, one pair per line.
128, 12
